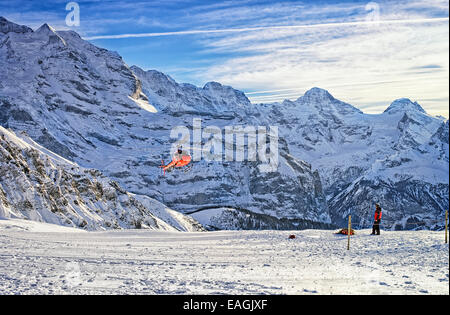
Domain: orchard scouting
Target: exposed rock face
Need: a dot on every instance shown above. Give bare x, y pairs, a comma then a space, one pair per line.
38, 185
412, 185
398, 158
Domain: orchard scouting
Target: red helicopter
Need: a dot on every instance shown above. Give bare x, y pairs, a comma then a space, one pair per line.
180, 160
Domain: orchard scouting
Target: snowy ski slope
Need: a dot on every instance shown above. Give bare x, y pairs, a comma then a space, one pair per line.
39, 258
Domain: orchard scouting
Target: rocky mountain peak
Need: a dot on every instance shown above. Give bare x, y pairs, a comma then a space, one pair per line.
7, 26
404, 105
156, 77
318, 94
323, 101
218, 90
45, 29
47, 32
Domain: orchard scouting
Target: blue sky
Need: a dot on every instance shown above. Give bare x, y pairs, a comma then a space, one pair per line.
367, 53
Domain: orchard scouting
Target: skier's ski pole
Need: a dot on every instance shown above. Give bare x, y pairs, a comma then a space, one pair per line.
446, 220
349, 231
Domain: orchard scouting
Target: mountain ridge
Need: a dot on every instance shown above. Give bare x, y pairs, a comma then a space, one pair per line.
86, 104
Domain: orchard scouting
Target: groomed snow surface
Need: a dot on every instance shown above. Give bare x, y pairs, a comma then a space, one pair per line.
39, 258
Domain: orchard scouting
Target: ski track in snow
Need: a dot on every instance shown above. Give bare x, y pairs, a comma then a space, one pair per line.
37, 258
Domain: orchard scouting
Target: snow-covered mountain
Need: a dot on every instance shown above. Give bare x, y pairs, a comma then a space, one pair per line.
39, 185
87, 105
412, 185
177, 99
348, 147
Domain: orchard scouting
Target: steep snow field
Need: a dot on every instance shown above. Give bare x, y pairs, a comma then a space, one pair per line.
39, 258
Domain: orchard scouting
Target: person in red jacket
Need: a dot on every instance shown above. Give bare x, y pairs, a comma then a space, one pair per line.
377, 217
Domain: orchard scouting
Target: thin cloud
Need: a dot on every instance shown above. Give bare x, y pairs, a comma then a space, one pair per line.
281, 27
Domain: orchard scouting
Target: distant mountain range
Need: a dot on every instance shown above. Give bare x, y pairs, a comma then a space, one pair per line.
86, 105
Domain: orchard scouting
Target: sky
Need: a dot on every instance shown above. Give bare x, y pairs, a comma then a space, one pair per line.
366, 53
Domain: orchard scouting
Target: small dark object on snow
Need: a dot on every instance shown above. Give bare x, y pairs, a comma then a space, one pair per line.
291, 237
345, 232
